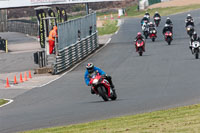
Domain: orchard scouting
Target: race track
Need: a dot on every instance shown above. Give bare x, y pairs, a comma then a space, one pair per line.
166, 76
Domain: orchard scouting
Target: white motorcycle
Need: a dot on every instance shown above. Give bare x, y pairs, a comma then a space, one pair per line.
195, 49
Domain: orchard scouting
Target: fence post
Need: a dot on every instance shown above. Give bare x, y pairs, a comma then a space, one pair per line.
6, 46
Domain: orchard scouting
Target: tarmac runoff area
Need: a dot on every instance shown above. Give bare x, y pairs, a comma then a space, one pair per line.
19, 60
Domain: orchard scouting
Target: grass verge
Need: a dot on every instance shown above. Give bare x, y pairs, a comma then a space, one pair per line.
2, 101
109, 27
182, 119
132, 11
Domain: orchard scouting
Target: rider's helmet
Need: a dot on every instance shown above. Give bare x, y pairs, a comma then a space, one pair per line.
194, 35
189, 15
156, 12
139, 34
150, 23
90, 67
168, 18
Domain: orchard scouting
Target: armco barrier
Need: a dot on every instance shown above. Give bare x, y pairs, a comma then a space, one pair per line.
72, 54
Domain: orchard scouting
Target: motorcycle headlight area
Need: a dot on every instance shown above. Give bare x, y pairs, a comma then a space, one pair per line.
154, 31
188, 28
95, 81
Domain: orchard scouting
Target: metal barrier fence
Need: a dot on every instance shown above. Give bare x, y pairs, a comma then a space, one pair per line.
22, 27
76, 39
72, 54
74, 30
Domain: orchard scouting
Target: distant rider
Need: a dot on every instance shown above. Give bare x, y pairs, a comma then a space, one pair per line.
156, 15
144, 19
167, 28
91, 69
169, 22
189, 20
147, 14
194, 38
139, 37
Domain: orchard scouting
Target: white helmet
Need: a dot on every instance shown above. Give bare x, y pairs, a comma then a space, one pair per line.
156, 12
150, 22
189, 15
168, 18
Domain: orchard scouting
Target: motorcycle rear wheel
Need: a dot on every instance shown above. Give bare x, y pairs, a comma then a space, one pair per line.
103, 93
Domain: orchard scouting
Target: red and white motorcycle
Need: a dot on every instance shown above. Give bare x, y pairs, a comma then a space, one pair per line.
153, 34
168, 37
139, 46
102, 87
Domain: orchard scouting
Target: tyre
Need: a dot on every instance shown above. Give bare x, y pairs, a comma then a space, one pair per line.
140, 51
103, 93
114, 96
153, 39
146, 35
169, 41
196, 52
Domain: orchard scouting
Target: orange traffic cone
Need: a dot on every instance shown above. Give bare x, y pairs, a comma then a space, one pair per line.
15, 80
7, 84
30, 74
25, 77
21, 80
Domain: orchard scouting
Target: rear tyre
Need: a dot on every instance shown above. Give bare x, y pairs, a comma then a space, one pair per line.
153, 39
103, 93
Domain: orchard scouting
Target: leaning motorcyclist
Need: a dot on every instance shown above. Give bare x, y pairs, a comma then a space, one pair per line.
144, 19
139, 37
90, 70
167, 28
194, 38
189, 20
156, 15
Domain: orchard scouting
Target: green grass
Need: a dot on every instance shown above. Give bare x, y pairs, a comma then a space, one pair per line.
2, 101
109, 27
177, 120
132, 10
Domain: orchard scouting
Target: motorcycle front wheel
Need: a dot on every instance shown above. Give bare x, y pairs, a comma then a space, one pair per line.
196, 52
103, 93
114, 96
169, 41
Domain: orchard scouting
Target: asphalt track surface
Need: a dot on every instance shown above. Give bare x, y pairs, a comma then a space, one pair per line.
166, 76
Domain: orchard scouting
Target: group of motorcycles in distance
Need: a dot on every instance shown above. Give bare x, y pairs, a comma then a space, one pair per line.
194, 43
149, 30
